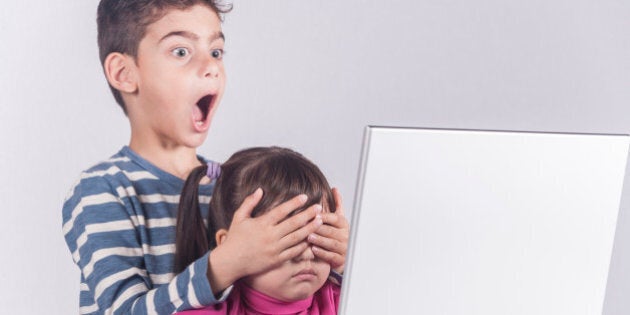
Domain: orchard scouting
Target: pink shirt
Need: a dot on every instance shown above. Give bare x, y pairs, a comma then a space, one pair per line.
246, 301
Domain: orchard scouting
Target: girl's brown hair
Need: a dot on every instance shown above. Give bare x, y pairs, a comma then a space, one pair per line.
281, 173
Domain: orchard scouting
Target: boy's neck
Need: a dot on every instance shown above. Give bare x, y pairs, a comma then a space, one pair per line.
178, 161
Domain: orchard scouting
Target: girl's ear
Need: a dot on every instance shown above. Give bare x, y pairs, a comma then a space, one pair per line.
120, 72
221, 236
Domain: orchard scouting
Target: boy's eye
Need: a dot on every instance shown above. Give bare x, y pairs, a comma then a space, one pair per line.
217, 53
180, 52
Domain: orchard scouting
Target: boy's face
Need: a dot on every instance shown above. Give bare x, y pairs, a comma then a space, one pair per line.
180, 78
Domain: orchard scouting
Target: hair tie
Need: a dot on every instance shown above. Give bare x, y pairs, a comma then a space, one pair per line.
214, 170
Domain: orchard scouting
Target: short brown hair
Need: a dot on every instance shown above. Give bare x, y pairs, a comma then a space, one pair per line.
122, 24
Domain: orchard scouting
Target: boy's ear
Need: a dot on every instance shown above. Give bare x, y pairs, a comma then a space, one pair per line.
221, 236
120, 72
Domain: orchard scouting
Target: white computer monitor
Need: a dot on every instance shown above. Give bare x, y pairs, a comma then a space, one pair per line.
483, 222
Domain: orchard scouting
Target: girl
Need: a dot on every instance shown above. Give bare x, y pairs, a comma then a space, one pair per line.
297, 286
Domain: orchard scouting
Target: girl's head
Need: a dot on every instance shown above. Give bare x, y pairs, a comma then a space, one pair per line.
282, 174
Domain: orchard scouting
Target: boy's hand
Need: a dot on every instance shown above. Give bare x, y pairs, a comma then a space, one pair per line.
254, 245
331, 239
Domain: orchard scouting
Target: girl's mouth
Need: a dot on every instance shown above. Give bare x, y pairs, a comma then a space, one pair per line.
306, 271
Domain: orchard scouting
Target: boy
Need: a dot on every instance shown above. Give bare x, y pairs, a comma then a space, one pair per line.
163, 62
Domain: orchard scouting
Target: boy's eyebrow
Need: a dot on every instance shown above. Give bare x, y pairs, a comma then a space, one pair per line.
192, 36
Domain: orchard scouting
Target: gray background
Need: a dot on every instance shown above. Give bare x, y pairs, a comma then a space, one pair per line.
308, 75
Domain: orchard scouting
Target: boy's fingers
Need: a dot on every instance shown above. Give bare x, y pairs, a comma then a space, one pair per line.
280, 212
299, 235
338, 202
335, 260
293, 251
299, 220
248, 205
327, 243
335, 219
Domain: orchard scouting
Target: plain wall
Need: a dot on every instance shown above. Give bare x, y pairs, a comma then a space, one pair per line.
308, 75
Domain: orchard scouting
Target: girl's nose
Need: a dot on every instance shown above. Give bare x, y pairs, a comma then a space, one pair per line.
307, 254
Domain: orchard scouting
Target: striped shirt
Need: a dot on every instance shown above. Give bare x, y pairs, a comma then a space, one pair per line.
119, 224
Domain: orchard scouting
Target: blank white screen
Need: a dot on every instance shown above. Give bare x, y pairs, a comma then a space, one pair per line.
477, 222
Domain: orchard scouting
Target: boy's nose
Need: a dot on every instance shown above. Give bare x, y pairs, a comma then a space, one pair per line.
211, 67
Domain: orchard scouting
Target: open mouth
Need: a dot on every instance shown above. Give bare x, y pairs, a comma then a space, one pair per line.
202, 109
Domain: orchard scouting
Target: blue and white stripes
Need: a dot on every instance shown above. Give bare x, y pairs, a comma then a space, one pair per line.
119, 224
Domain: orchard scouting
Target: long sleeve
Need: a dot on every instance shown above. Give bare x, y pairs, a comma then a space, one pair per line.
120, 231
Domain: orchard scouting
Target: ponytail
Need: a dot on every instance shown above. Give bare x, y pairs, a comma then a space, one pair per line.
191, 240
